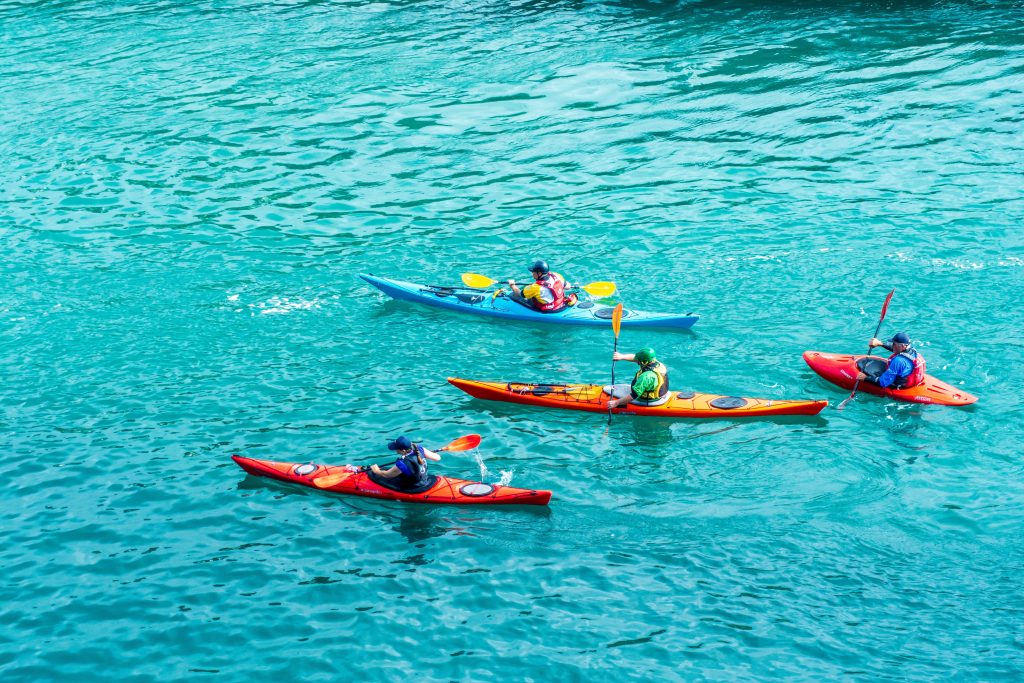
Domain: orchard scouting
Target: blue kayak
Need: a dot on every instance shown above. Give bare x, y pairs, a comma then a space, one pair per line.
482, 302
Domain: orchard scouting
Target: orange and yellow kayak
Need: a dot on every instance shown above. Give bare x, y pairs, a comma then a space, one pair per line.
842, 369
592, 398
340, 479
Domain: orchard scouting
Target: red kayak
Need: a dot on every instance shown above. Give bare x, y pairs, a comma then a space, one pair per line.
842, 369
339, 479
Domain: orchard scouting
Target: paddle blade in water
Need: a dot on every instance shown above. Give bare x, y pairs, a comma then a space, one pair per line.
599, 288
463, 443
477, 280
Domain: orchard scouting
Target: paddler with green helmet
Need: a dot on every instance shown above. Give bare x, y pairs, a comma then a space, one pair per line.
649, 385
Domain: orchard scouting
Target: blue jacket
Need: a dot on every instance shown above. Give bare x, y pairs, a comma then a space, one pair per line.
898, 367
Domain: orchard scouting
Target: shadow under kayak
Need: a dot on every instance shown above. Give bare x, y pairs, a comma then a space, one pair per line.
445, 490
592, 398
481, 302
842, 369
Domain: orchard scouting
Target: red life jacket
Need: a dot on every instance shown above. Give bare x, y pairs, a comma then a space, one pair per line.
916, 376
556, 283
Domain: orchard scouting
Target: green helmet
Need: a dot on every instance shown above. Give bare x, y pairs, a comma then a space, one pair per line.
645, 355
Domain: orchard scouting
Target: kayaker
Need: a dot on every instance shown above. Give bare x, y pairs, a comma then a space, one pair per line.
650, 383
410, 469
548, 292
905, 365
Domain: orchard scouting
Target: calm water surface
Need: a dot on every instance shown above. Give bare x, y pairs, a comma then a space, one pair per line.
189, 189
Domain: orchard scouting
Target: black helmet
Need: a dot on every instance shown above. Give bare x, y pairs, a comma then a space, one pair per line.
900, 338
540, 266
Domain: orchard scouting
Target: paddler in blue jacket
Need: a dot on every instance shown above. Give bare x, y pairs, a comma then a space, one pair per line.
410, 469
906, 365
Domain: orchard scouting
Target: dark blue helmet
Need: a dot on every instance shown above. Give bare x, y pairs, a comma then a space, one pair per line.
540, 266
900, 338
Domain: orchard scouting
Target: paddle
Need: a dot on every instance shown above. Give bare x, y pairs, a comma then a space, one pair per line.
598, 289
463, 443
885, 307
616, 326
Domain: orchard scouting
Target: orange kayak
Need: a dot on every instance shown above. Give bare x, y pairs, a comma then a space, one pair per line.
591, 397
445, 490
842, 369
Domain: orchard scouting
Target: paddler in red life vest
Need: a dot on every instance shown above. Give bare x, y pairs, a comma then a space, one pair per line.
906, 365
650, 383
410, 469
548, 292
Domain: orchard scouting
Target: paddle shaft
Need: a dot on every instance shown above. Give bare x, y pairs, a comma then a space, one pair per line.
878, 327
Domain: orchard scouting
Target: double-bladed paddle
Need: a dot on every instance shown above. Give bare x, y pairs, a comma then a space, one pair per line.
616, 326
885, 307
463, 443
598, 289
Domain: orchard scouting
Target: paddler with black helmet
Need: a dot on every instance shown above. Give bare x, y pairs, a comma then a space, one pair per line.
548, 293
650, 383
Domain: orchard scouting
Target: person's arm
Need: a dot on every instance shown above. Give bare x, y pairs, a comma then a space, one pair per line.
389, 473
515, 288
624, 356
874, 343
897, 368
431, 455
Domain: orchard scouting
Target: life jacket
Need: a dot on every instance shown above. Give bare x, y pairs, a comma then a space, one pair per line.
916, 375
413, 468
555, 284
658, 368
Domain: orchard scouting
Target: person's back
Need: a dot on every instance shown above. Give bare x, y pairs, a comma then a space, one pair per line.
409, 472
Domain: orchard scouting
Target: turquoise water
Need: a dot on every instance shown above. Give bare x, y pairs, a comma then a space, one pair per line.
188, 192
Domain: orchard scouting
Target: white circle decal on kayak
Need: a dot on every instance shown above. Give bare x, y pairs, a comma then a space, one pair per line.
476, 489
303, 470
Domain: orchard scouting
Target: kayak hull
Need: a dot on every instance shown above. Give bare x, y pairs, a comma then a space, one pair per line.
841, 369
480, 302
591, 398
446, 491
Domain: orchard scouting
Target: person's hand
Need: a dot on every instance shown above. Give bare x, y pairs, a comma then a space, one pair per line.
613, 404
874, 342
861, 376
374, 469
618, 356
510, 283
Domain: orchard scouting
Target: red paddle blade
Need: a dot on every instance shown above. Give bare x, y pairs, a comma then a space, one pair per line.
617, 320
885, 306
463, 443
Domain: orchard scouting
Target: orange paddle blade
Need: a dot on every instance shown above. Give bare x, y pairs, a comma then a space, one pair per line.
329, 480
617, 320
463, 443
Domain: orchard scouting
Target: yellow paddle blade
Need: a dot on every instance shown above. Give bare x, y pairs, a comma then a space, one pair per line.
617, 320
477, 280
600, 288
329, 480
